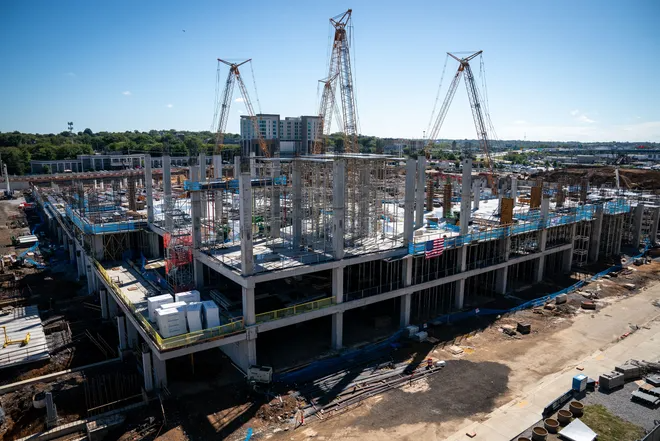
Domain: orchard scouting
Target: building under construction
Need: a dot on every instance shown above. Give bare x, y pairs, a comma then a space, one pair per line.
277, 261
342, 244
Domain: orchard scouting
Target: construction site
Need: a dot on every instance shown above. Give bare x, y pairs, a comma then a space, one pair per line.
296, 279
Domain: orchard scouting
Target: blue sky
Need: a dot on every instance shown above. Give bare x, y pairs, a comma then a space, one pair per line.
556, 70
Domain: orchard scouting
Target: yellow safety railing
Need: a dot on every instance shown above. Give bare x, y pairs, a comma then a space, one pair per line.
295, 310
176, 341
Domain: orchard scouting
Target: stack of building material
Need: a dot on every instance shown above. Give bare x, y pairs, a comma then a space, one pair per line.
211, 314
194, 316
153, 303
187, 296
171, 322
611, 380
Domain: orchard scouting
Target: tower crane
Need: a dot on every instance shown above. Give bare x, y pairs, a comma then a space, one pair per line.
234, 76
475, 104
339, 71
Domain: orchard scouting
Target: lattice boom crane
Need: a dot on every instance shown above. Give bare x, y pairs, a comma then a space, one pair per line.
475, 105
234, 76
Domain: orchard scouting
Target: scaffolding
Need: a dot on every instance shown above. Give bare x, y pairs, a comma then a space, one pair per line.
581, 243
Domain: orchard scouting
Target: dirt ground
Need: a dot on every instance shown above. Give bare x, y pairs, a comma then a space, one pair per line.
66, 315
492, 369
630, 178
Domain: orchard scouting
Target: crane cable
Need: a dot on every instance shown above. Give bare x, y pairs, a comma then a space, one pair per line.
217, 100
437, 96
256, 94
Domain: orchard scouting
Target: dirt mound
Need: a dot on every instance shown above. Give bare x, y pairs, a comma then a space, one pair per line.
630, 178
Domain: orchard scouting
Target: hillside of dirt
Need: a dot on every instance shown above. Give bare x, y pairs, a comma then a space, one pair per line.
630, 178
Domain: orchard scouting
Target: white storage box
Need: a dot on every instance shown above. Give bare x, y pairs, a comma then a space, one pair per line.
194, 316
171, 322
211, 314
155, 302
187, 296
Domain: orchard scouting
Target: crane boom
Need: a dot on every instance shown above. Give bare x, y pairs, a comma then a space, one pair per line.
234, 76
475, 105
433, 134
477, 115
339, 71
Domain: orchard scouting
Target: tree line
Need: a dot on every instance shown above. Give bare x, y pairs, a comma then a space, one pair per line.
18, 149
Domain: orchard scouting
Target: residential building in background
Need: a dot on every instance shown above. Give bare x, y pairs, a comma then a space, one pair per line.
290, 136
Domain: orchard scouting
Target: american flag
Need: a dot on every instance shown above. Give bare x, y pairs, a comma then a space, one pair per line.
434, 248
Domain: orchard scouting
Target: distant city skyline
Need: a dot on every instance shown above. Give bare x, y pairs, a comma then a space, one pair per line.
556, 71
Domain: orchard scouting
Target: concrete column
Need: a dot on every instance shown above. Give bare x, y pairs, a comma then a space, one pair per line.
363, 205
72, 250
338, 318
501, 279
275, 202
91, 280
59, 234
296, 184
217, 174
237, 167
514, 190
146, 370
539, 268
245, 210
567, 261
654, 225
202, 166
121, 328
459, 298
103, 298
113, 308
596, 231
196, 214
638, 215
419, 193
249, 315
98, 252
409, 203
154, 244
476, 192
65, 242
337, 330
253, 165
466, 183
167, 191
338, 207
160, 372
132, 335
148, 186
404, 319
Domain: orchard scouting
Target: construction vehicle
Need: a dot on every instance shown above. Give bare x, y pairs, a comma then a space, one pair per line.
8, 341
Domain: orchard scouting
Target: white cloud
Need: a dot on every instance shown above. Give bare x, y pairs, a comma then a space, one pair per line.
169, 106
239, 100
241, 111
70, 74
126, 92
575, 112
585, 119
